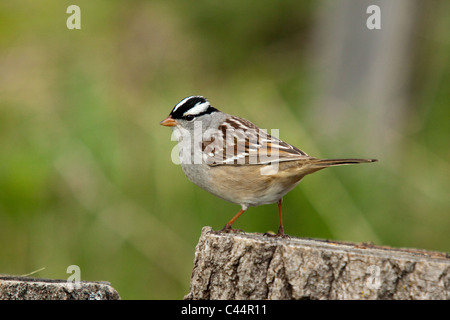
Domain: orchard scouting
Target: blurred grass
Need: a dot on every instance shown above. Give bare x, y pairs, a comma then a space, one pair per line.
85, 170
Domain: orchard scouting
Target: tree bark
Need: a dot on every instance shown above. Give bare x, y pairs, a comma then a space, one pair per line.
253, 266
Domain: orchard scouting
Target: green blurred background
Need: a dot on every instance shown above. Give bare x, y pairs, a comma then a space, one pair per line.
86, 176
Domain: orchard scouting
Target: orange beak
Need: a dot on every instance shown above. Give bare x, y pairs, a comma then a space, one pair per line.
168, 122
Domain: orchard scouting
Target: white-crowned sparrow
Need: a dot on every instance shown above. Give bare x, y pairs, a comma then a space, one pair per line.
235, 160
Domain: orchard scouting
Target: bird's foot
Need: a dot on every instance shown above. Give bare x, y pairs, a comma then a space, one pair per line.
279, 234
228, 229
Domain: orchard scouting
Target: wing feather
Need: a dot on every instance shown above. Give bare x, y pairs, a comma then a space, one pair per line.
238, 141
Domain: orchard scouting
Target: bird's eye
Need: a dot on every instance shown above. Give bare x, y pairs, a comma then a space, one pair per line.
189, 117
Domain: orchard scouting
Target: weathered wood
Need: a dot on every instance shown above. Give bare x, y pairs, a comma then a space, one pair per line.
253, 266
26, 288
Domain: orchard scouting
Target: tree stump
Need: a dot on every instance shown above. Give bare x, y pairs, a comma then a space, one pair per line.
26, 288
254, 266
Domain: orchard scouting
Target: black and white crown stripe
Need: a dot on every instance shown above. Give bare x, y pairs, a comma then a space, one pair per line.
194, 106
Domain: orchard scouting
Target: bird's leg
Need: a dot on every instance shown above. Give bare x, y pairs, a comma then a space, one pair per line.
280, 233
227, 227
280, 217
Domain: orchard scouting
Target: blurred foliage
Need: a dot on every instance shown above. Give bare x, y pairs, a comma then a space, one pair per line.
85, 170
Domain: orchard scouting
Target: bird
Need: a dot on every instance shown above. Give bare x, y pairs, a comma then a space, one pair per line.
235, 160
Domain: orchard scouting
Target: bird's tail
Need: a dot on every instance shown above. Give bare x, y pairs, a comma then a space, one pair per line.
324, 163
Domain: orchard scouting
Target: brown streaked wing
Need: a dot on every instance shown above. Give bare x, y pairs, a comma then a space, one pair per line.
248, 145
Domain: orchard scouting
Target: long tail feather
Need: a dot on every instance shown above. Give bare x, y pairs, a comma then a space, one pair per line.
323, 163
